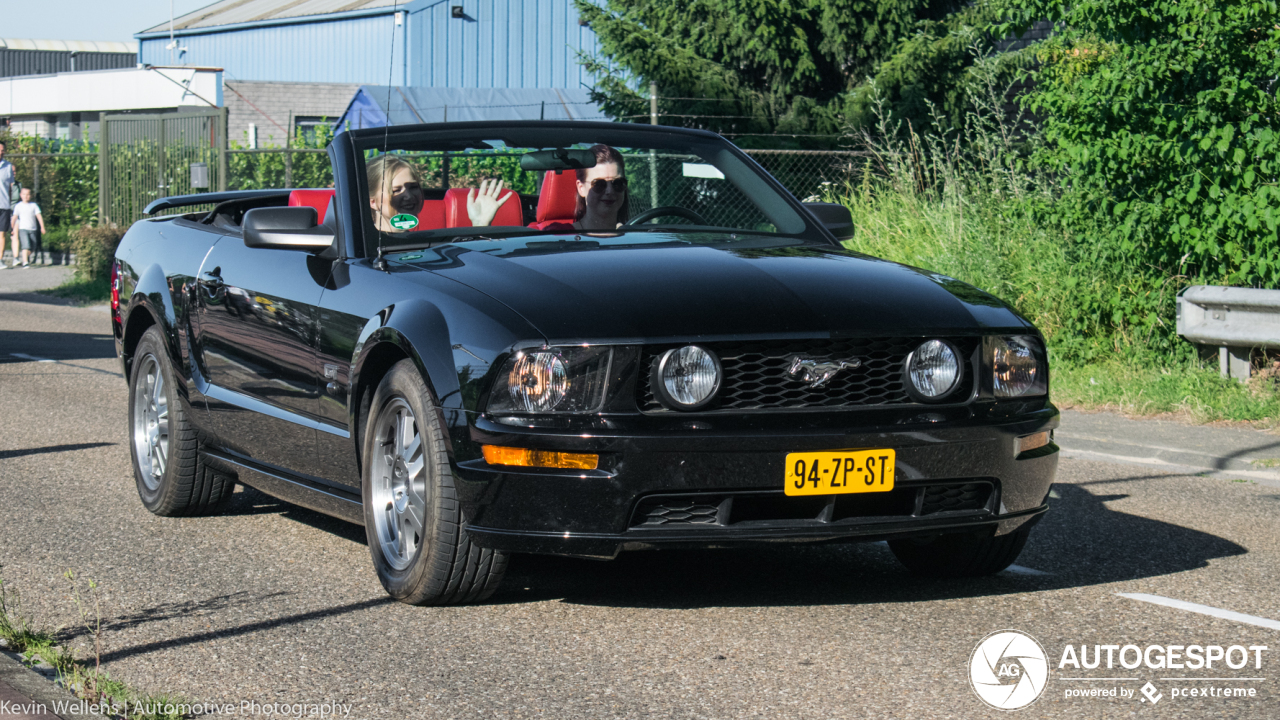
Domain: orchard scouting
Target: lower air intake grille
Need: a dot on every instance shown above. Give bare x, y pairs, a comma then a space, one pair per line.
673, 511
772, 507
969, 496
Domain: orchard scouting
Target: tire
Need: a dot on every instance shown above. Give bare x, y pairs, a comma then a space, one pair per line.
173, 480
413, 519
960, 554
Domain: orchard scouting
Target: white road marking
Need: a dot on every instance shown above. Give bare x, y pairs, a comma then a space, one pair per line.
1190, 678
1019, 570
33, 358
1204, 610
1062, 678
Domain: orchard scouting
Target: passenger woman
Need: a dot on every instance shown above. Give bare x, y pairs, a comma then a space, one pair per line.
395, 188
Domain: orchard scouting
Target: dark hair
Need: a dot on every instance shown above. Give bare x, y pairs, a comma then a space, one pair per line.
604, 154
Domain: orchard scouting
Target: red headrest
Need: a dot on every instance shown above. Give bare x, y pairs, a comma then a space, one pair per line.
559, 197
431, 216
455, 209
318, 199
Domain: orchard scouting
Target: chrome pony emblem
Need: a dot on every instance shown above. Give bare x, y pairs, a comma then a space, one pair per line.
818, 372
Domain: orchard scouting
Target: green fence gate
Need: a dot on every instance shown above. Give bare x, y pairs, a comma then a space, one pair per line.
145, 157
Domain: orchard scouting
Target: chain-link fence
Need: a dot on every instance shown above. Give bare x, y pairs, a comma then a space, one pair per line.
67, 184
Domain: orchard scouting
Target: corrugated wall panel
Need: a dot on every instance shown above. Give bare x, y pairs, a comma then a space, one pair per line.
501, 44
354, 50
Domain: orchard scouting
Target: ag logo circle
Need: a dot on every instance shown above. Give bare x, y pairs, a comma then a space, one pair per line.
1008, 670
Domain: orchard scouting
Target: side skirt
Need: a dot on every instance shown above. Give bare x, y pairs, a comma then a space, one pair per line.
309, 493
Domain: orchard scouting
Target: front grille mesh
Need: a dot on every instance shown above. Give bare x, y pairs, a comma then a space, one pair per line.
756, 378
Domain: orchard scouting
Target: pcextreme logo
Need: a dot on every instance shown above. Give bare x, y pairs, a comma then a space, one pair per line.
1009, 670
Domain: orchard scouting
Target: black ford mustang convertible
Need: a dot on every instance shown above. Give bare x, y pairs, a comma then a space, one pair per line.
638, 339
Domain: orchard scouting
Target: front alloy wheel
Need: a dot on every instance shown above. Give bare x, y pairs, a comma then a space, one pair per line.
412, 515
399, 491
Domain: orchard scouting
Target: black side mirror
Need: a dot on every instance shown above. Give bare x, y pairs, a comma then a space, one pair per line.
286, 228
834, 217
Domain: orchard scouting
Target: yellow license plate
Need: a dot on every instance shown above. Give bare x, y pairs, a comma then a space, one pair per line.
841, 471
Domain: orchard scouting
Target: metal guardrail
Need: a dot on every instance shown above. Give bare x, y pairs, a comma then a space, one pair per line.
1235, 320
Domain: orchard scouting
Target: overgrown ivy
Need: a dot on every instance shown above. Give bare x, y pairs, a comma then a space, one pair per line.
1159, 120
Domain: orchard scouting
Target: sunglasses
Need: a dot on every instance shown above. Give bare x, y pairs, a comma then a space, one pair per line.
619, 184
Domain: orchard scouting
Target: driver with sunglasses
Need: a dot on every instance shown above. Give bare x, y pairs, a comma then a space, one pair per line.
603, 204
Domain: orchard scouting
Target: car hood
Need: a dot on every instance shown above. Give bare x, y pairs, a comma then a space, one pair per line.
647, 285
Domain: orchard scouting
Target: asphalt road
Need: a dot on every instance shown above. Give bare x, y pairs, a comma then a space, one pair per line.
270, 603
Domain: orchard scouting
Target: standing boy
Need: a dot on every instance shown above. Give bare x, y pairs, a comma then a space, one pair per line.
27, 221
7, 178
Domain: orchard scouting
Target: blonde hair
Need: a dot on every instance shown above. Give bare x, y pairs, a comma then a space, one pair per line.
383, 168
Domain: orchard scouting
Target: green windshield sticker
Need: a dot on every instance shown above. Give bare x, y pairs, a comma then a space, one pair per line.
404, 222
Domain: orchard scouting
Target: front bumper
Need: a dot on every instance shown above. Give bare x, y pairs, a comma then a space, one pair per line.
696, 484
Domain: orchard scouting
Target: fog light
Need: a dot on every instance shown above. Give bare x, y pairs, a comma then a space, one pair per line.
1030, 442
524, 457
686, 378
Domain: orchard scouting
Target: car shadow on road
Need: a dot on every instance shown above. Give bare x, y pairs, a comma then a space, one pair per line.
1080, 542
250, 501
55, 345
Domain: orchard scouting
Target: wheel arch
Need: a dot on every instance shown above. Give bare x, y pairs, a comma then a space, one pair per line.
416, 331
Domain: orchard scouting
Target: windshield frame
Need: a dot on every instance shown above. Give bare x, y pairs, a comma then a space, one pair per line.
521, 136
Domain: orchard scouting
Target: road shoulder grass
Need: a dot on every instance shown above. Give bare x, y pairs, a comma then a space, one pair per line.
1186, 392
82, 292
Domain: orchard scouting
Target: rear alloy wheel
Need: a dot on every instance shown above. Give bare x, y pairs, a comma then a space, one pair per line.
413, 519
961, 554
172, 478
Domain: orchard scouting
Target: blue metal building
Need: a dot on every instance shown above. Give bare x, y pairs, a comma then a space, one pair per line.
422, 43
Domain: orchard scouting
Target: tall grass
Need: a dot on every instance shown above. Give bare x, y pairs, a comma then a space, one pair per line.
962, 203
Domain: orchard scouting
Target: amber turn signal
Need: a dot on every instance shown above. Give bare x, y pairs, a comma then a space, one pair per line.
1031, 442
524, 457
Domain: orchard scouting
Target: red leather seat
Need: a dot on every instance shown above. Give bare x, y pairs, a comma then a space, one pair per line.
431, 216
455, 209
317, 198
558, 200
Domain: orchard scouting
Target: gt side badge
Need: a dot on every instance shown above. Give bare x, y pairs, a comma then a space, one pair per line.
404, 222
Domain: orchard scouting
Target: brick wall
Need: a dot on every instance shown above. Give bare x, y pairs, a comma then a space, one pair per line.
271, 106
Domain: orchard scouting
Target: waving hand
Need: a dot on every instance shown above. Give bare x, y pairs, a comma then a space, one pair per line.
483, 205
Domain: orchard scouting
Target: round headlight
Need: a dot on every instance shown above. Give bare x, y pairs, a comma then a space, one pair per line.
537, 381
686, 378
1014, 367
933, 370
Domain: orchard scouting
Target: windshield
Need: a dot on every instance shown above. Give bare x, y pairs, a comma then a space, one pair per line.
439, 186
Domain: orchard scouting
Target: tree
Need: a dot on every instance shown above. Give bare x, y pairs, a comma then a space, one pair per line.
743, 67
